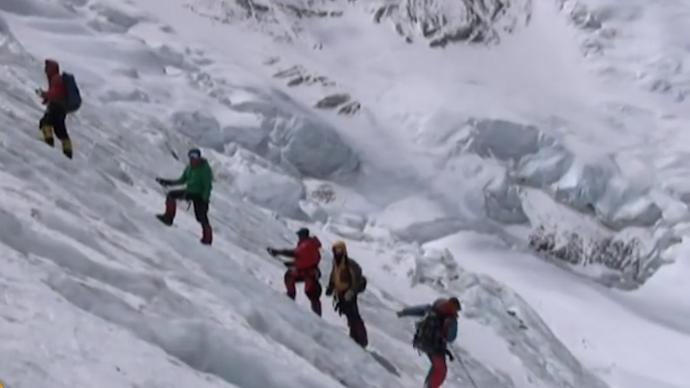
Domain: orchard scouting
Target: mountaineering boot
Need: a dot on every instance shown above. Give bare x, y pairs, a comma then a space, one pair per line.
290, 287
170, 209
316, 306
206, 235
67, 148
358, 332
47, 132
162, 218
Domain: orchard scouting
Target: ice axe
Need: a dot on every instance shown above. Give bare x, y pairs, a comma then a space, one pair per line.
462, 364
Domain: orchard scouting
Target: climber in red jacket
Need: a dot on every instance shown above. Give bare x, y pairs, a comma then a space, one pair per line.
304, 268
55, 99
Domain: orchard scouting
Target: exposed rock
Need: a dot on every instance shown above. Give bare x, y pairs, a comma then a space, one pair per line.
441, 22
350, 108
333, 101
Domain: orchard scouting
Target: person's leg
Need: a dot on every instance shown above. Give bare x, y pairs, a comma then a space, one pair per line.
437, 372
46, 127
312, 288
358, 332
201, 214
58, 119
171, 206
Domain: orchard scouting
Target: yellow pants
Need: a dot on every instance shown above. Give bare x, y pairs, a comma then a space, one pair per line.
67, 147
47, 132
48, 137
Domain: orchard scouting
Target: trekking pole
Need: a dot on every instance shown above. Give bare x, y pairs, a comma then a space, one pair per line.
467, 372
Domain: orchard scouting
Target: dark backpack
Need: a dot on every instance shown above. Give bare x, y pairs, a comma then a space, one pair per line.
362, 284
428, 336
356, 270
72, 94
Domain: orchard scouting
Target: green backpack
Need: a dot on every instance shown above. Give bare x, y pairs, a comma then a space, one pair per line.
428, 336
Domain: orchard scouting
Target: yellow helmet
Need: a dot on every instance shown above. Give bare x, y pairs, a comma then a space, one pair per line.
340, 246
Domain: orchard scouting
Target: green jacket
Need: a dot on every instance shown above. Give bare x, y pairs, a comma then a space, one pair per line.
199, 180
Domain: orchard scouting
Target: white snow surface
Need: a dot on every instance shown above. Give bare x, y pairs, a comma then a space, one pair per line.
566, 112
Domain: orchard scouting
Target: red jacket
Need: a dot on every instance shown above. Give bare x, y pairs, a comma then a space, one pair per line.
56, 88
450, 323
307, 255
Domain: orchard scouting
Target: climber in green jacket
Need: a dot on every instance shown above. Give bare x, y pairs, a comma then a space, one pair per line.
198, 180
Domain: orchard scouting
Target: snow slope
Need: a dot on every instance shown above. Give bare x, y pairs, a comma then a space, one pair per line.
426, 172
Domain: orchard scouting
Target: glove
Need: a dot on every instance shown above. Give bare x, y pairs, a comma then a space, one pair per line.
163, 182
329, 291
337, 306
349, 294
272, 252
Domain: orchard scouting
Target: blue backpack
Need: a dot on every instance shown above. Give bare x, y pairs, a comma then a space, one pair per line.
72, 94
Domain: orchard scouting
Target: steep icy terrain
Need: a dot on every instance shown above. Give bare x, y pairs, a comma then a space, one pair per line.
94, 277
465, 149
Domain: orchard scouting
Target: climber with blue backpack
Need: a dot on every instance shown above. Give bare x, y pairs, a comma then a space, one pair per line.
437, 328
61, 98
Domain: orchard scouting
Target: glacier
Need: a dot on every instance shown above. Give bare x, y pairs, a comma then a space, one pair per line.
452, 146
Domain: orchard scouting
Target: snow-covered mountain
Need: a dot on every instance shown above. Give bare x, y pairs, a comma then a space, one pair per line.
514, 153
446, 21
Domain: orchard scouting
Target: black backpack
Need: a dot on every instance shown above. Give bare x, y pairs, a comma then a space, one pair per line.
428, 336
362, 284
72, 93
357, 269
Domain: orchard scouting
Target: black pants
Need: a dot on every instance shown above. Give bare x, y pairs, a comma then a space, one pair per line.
358, 331
55, 117
200, 206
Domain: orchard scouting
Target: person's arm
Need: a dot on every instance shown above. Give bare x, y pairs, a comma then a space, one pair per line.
416, 311
182, 179
282, 252
174, 182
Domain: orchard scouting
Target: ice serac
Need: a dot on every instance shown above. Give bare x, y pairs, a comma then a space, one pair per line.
544, 167
315, 148
532, 158
261, 182
503, 203
599, 188
503, 139
301, 144
545, 359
